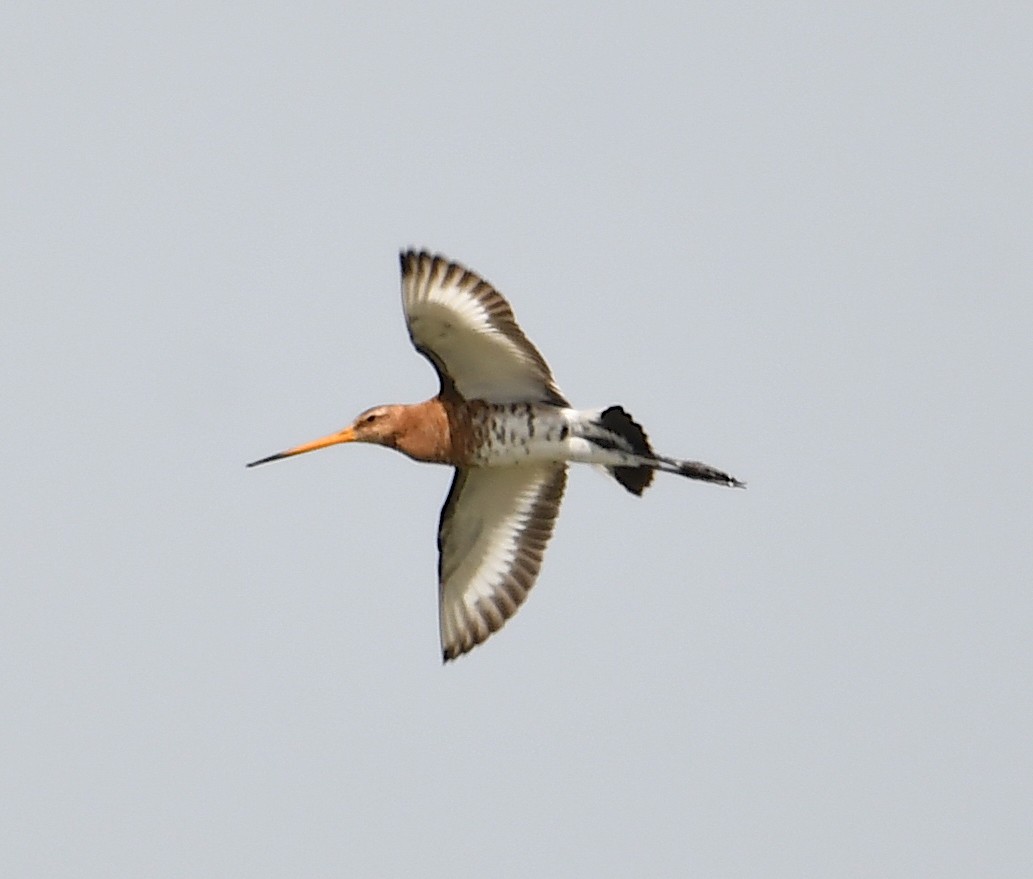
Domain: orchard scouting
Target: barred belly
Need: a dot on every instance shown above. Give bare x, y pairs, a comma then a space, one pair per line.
506, 434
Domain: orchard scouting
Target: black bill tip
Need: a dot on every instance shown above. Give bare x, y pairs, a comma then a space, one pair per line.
275, 457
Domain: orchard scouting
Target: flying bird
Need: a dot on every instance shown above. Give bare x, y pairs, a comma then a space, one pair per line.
501, 421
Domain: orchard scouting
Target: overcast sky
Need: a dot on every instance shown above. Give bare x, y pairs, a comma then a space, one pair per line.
793, 241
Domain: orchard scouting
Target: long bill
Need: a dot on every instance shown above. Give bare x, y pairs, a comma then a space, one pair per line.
342, 436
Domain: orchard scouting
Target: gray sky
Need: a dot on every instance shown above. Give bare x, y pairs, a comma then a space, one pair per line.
794, 242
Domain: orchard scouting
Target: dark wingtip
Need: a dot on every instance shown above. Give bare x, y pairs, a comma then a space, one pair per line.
410, 257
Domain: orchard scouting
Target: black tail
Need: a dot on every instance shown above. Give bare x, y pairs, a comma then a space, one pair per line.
637, 478
634, 479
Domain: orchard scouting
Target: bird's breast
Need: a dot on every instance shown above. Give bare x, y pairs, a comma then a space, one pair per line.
512, 433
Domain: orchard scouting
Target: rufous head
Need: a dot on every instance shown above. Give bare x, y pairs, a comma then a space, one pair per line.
380, 425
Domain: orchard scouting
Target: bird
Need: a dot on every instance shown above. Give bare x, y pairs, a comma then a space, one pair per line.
500, 420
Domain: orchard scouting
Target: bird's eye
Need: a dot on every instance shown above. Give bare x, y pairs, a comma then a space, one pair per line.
369, 419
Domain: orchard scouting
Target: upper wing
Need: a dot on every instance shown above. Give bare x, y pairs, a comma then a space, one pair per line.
493, 531
467, 330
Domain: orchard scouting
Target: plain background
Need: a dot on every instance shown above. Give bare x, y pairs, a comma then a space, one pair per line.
792, 239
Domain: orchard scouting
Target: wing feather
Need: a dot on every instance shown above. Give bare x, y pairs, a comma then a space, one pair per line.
494, 528
468, 331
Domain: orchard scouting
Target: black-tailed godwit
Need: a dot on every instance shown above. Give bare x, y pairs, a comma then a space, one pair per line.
504, 425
